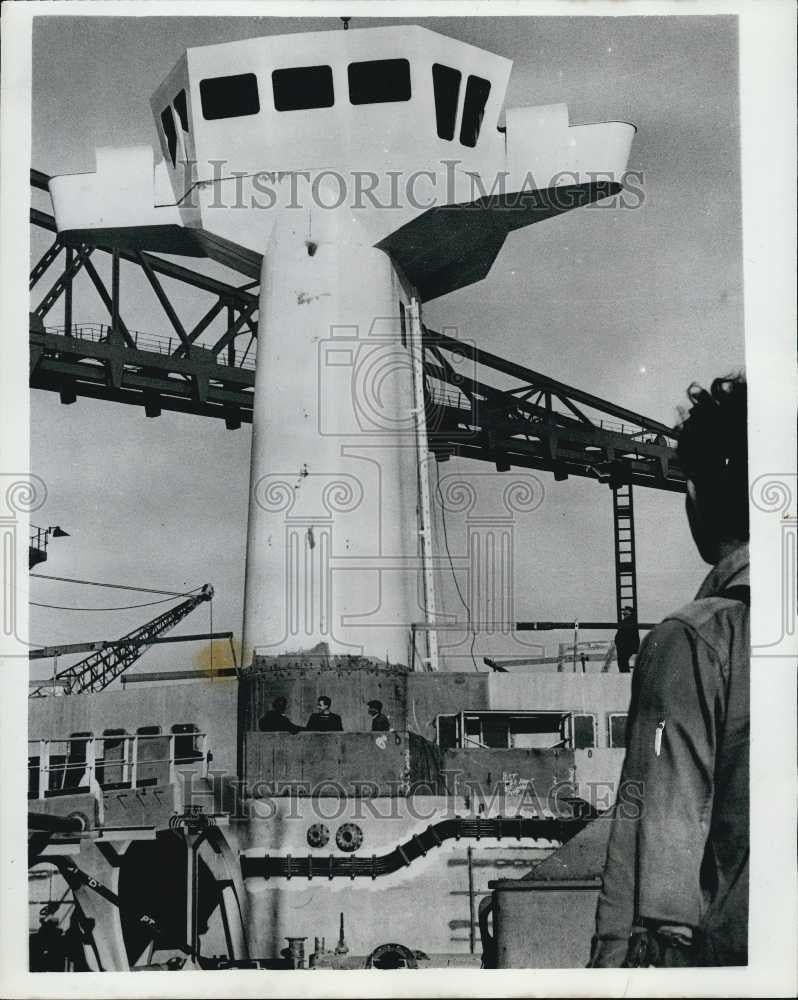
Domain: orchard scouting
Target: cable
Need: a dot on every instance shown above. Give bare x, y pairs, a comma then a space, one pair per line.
114, 586
210, 613
451, 566
124, 607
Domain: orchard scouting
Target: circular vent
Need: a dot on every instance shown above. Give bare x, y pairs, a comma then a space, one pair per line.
349, 837
318, 835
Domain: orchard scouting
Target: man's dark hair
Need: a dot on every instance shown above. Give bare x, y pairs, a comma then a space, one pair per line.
280, 703
713, 451
374, 703
327, 701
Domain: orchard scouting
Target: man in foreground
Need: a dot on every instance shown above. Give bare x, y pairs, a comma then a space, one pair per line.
675, 890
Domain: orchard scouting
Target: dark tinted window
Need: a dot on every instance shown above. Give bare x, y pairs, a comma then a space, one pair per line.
303, 88
476, 95
379, 82
584, 734
169, 131
617, 730
185, 742
182, 110
229, 96
447, 732
446, 84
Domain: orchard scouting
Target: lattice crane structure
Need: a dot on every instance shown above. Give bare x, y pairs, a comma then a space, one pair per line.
97, 670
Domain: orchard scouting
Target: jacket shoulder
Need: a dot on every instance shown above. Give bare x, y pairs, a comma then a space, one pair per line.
706, 611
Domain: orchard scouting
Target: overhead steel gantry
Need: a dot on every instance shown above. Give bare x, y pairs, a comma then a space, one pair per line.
487, 408
479, 405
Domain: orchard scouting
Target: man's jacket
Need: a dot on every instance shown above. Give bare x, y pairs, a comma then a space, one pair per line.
678, 849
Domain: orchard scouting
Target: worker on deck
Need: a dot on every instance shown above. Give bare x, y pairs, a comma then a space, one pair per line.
675, 888
323, 720
276, 721
627, 640
379, 722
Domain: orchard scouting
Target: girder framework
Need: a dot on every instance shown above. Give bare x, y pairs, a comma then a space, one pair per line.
480, 406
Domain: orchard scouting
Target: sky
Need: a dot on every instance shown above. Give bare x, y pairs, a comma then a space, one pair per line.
629, 304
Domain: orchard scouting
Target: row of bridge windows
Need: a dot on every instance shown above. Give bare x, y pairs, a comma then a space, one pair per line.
303, 88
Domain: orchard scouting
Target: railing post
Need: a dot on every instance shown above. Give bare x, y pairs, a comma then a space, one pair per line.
44, 767
91, 758
134, 762
126, 759
172, 775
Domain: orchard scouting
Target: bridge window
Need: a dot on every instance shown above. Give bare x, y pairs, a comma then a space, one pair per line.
170, 132
182, 110
113, 739
229, 96
617, 730
583, 732
476, 96
379, 81
446, 84
186, 748
303, 88
148, 731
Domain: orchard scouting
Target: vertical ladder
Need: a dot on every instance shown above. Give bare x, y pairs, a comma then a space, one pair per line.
423, 458
625, 569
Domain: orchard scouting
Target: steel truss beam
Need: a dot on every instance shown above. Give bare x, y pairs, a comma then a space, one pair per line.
538, 423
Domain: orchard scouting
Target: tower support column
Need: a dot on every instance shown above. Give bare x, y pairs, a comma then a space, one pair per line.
332, 546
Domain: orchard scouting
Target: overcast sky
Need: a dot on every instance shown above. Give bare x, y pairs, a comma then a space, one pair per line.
631, 305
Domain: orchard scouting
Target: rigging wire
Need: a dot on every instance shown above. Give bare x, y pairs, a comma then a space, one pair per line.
124, 607
210, 614
113, 586
463, 601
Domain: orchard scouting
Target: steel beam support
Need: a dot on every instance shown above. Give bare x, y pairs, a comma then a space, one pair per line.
44, 262
543, 381
201, 326
161, 266
115, 294
108, 302
232, 332
70, 253
163, 298
63, 281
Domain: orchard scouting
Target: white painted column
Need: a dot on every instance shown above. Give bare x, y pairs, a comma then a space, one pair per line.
332, 547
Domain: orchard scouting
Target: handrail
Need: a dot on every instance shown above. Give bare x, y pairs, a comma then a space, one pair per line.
129, 761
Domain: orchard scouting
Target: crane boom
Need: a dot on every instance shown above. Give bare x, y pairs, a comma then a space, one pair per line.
96, 671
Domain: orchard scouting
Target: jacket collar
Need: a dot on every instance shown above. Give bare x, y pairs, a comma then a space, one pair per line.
731, 571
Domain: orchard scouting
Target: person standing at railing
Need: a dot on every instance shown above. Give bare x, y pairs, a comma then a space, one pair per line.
627, 641
323, 720
276, 721
379, 721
